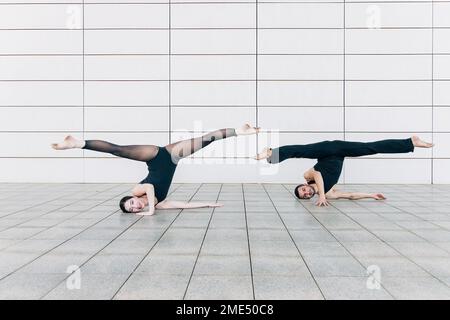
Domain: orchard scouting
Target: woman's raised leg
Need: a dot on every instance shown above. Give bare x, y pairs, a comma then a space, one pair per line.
184, 148
133, 152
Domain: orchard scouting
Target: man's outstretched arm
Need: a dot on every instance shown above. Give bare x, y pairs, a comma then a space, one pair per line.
336, 194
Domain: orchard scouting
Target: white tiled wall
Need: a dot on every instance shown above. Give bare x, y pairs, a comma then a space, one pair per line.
156, 71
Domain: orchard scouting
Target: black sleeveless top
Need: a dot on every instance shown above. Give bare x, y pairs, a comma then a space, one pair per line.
160, 173
330, 168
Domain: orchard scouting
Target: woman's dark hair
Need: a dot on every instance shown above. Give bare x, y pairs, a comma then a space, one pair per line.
122, 203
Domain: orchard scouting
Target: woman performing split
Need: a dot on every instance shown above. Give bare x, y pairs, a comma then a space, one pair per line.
161, 162
330, 157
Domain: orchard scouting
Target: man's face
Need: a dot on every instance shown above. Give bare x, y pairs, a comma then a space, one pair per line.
134, 205
305, 191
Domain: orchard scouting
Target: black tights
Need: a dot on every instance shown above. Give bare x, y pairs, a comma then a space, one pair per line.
338, 148
145, 153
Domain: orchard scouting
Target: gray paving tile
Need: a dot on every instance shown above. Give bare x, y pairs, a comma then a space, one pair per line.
286, 287
141, 234
264, 222
354, 288
57, 233
222, 265
92, 287
312, 235
18, 233
167, 265
233, 247
337, 222
137, 246
268, 234
191, 221
28, 286
220, 288
419, 249
5, 243
394, 266
11, 261
180, 246
221, 221
112, 264
300, 222
283, 265
335, 266
153, 287
322, 249
80, 246
370, 249
434, 235
355, 236
437, 266
397, 236
33, 246
54, 263
427, 288
273, 248
98, 234
226, 234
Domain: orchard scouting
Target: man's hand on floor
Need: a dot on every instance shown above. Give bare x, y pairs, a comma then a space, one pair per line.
322, 202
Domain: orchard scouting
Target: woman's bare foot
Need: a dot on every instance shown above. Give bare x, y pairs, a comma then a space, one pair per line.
247, 129
417, 142
266, 153
68, 143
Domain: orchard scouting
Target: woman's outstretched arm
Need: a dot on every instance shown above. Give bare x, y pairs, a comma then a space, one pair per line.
168, 204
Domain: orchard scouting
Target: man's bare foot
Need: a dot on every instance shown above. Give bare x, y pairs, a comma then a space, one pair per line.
266, 153
417, 142
68, 143
247, 129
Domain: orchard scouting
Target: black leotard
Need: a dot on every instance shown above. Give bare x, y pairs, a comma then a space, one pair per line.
160, 173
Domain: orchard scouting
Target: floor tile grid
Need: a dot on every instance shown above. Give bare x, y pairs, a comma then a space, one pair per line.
400, 253
99, 251
48, 251
295, 244
248, 242
49, 212
57, 223
201, 246
337, 240
52, 293
39, 204
148, 252
93, 255
404, 256
418, 217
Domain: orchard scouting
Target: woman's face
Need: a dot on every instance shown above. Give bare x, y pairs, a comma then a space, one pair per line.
134, 205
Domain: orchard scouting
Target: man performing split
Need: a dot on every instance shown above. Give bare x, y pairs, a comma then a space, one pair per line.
330, 157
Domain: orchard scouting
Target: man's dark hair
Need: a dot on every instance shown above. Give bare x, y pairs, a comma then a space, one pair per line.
122, 203
297, 193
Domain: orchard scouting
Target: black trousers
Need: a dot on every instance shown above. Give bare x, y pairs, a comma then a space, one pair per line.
339, 148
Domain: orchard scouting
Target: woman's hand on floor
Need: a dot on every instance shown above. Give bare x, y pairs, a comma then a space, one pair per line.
216, 205
150, 212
